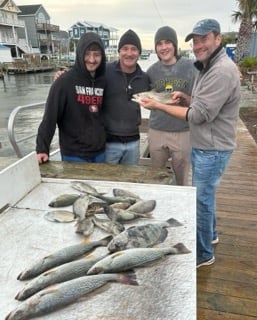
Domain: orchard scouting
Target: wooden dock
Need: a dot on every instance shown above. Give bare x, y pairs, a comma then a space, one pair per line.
227, 290
26, 68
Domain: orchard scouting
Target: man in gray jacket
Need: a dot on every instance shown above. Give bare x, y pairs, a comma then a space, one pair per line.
212, 113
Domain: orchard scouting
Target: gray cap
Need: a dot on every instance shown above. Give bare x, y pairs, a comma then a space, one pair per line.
203, 27
166, 33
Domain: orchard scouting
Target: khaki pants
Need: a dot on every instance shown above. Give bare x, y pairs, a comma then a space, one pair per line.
175, 146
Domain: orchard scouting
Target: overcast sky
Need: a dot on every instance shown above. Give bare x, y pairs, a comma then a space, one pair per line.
143, 16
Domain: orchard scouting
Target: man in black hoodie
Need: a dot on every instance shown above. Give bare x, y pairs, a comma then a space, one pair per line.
74, 104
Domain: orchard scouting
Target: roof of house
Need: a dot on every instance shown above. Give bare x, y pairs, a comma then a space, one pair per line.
29, 9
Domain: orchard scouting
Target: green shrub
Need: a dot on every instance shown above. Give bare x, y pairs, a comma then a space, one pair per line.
248, 62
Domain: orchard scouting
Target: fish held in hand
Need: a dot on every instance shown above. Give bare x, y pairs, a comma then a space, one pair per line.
61, 256
135, 257
143, 236
62, 294
163, 97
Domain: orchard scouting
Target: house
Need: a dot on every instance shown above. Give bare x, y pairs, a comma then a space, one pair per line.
5, 54
10, 27
41, 33
108, 35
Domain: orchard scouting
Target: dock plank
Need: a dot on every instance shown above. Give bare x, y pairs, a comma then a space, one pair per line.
227, 290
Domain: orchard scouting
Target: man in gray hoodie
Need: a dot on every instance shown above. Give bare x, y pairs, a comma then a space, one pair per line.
212, 112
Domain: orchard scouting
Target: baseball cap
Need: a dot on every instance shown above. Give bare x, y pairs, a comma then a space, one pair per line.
203, 27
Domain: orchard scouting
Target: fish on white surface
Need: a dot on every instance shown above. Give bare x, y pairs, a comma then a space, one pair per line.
135, 257
60, 216
62, 294
142, 236
61, 256
143, 206
118, 192
63, 200
64, 272
113, 227
121, 215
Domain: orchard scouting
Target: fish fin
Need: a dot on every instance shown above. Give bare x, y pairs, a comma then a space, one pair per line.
128, 278
174, 223
163, 236
106, 240
181, 248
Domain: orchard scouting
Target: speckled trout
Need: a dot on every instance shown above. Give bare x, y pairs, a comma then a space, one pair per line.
61, 256
65, 293
163, 97
64, 272
132, 258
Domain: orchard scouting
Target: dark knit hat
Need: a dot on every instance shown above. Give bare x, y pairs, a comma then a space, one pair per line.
166, 33
130, 37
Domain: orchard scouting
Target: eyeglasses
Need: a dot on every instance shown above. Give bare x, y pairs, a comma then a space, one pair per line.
129, 91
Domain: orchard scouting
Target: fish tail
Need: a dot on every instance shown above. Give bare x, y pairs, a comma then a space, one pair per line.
174, 223
128, 278
181, 248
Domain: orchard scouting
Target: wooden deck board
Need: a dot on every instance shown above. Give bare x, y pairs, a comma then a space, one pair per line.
227, 290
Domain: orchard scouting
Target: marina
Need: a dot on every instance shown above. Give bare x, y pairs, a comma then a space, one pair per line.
227, 289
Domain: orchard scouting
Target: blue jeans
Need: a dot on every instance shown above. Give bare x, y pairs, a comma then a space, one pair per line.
207, 169
122, 153
97, 159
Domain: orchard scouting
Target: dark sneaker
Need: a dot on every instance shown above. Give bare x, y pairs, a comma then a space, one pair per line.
215, 241
205, 262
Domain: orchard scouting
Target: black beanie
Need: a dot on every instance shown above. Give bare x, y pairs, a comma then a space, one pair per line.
166, 33
130, 37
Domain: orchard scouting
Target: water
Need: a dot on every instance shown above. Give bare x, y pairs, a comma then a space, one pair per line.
18, 90
23, 89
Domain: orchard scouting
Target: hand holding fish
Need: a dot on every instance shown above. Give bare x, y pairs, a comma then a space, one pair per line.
181, 97
150, 103
178, 108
